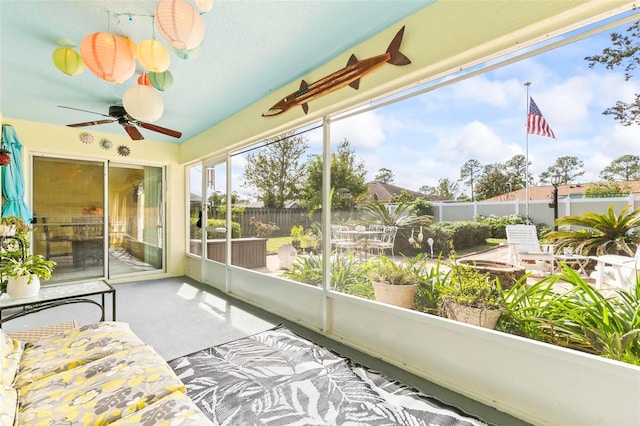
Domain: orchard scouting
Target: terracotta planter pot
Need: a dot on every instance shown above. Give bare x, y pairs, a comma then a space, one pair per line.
398, 295
486, 318
17, 288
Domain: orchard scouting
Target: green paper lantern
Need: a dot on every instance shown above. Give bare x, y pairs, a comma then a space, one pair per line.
187, 54
68, 61
161, 80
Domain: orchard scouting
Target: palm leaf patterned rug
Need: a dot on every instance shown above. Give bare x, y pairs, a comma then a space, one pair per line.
279, 378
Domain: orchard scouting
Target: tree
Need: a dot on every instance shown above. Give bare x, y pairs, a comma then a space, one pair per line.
445, 189
606, 189
626, 167
276, 170
568, 167
493, 182
516, 171
384, 176
469, 174
403, 197
346, 174
622, 53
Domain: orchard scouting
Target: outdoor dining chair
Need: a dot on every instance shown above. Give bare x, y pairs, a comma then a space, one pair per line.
386, 241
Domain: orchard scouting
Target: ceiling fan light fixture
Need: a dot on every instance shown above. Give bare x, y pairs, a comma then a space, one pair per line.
153, 56
161, 80
108, 56
143, 103
179, 23
68, 61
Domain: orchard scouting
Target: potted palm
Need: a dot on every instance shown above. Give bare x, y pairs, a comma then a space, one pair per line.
471, 296
22, 276
396, 283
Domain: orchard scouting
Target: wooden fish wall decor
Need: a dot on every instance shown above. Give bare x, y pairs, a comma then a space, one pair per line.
349, 75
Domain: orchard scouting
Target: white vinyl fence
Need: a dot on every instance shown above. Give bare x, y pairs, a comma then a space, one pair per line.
540, 212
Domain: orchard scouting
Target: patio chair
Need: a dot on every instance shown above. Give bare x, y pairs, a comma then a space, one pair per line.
342, 239
616, 271
526, 252
386, 241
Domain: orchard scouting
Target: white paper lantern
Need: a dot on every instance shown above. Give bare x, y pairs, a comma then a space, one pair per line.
143, 103
179, 23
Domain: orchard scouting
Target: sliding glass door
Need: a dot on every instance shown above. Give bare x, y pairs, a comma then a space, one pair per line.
136, 219
98, 219
69, 216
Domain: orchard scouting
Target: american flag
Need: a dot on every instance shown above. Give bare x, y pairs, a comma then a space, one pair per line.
536, 124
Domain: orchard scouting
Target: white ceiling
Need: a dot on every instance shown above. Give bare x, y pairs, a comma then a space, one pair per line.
251, 48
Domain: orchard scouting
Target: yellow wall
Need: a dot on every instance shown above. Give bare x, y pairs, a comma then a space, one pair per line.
38, 139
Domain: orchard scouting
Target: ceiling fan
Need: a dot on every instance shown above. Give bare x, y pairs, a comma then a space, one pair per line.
119, 114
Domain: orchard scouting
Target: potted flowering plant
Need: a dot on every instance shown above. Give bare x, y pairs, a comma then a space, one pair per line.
396, 283
21, 276
471, 296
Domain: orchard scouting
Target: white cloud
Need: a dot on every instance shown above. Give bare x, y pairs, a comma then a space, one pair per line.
365, 130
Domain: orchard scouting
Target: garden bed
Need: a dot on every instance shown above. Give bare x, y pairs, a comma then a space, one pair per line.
507, 274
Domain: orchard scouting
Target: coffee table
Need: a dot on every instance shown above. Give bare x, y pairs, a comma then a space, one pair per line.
51, 296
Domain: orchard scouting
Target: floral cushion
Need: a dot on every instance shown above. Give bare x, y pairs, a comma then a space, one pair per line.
72, 348
10, 353
8, 405
173, 410
99, 392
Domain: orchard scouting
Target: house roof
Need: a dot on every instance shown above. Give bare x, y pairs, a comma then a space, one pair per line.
545, 192
383, 192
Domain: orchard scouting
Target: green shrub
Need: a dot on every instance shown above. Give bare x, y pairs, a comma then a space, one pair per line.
498, 224
216, 227
579, 318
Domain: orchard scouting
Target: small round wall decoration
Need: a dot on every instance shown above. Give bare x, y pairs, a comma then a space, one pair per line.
124, 150
86, 137
105, 144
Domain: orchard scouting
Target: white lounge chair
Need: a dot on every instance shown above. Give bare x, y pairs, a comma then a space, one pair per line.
616, 271
526, 252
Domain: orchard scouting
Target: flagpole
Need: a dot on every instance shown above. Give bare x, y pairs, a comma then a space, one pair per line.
526, 161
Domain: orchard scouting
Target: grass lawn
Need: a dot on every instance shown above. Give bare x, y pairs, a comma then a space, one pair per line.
273, 244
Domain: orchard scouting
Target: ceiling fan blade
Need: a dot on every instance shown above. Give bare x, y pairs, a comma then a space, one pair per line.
133, 132
84, 110
90, 123
163, 130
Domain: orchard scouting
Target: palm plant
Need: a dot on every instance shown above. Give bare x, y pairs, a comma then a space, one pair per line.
607, 233
403, 216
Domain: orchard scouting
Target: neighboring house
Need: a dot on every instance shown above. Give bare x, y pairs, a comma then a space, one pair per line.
573, 190
383, 192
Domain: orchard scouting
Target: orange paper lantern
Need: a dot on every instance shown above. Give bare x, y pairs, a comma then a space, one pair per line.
108, 57
143, 79
179, 23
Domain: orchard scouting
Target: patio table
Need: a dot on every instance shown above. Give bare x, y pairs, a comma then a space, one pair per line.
581, 262
364, 237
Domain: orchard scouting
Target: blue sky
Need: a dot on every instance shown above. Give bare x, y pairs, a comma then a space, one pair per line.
432, 135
